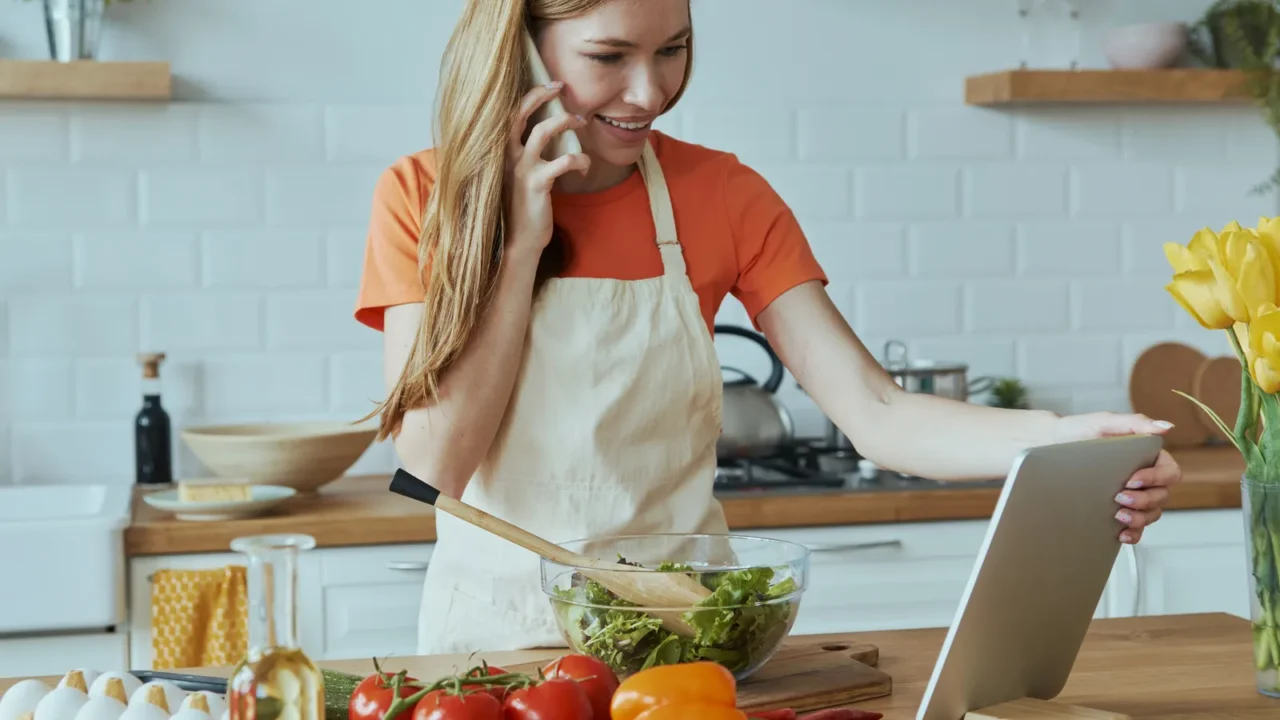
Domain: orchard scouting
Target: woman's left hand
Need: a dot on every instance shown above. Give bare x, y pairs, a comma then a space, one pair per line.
1147, 491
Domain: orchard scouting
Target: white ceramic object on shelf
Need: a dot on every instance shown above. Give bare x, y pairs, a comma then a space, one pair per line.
263, 498
1146, 46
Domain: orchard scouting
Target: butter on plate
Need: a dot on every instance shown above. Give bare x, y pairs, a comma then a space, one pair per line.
214, 490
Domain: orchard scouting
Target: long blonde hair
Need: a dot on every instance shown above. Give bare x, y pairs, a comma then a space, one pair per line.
483, 78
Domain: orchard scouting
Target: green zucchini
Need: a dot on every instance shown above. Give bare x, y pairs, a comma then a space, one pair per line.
338, 688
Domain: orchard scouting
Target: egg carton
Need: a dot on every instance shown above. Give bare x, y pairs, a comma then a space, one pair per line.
113, 695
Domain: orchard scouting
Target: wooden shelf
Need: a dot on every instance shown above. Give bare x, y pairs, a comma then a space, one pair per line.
84, 80
1044, 87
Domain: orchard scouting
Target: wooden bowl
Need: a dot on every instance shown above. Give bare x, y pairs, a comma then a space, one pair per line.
300, 455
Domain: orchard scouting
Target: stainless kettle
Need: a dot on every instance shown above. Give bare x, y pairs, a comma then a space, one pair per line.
754, 423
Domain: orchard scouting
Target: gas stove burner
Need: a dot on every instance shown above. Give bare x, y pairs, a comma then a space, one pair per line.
765, 473
811, 464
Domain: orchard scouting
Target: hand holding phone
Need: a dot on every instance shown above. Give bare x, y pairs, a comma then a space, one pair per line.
566, 142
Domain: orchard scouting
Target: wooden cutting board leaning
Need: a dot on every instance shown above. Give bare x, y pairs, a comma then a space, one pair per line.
1166, 367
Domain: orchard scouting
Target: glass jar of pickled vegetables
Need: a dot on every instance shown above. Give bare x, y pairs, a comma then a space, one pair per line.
275, 680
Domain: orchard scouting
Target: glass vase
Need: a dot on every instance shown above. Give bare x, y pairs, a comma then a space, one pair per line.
275, 679
1260, 503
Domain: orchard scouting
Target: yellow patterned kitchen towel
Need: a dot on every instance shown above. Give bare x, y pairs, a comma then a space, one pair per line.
198, 617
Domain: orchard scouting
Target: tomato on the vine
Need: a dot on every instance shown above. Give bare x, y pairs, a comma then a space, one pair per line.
595, 678
372, 699
554, 699
445, 705
497, 691
685, 684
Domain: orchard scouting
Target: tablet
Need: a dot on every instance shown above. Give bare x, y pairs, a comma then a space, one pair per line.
1040, 574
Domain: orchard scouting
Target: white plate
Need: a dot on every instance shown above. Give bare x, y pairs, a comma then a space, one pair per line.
264, 498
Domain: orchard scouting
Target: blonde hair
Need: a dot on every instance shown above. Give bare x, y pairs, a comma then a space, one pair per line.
483, 78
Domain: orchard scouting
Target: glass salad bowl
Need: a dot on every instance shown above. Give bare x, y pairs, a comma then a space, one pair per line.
755, 587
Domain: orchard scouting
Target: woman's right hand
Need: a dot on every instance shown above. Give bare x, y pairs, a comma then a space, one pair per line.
529, 177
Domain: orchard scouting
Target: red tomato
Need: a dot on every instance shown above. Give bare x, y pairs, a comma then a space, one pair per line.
556, 699
372, 699
497, 691
444, 705
595, 678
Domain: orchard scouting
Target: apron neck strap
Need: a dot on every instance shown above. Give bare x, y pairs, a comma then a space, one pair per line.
664, 219
659, 197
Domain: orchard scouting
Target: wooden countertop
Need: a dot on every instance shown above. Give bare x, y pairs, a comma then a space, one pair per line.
360, 510
1174, 667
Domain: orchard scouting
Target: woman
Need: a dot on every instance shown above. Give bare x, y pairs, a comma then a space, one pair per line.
548, 342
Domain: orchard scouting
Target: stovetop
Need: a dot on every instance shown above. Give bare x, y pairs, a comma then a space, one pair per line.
810, 465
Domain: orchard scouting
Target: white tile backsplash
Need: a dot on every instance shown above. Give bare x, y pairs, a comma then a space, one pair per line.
227, 228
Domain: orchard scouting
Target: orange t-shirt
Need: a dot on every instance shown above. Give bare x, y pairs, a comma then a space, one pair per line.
737, 234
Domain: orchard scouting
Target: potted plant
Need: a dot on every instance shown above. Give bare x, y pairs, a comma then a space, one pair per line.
1244, 35
74, 27
1230, 281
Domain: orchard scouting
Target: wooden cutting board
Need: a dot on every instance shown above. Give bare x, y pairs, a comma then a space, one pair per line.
1158, 371
1217, 384
805, 677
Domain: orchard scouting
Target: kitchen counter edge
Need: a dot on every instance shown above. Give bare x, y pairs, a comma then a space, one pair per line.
358, 510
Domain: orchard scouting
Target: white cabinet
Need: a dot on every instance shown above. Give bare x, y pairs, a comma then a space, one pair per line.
911, 575
367, 600
353, 602
357, 602
1191, 561
23, 656
884, 576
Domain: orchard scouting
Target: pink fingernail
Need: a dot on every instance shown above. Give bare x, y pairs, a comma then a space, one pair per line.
1123, 516
1133, 484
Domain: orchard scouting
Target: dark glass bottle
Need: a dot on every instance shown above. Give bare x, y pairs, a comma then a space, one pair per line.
151, 428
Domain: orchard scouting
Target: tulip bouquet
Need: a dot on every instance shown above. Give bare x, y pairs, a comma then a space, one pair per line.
1230, 280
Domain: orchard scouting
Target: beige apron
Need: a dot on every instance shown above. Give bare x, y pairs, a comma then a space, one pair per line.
611, 430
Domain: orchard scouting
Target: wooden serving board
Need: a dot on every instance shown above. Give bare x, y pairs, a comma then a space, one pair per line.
805, 677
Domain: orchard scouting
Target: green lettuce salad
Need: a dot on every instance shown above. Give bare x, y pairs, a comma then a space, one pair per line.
743, 619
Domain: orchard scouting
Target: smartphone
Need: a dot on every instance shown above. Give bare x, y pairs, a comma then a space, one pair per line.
566, 142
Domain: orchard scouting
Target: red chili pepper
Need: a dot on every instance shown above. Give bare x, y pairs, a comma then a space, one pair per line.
780, 714
842, 714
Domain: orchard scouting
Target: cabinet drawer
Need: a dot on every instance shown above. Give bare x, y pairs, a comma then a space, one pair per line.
884, 576
374, 564
376, 620
369, 599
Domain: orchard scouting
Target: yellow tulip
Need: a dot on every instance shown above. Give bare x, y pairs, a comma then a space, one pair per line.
1229, 274
1197, 291
1264, 348
1269, 226
1251, 265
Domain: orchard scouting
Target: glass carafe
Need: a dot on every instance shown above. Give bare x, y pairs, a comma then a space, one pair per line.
275, 680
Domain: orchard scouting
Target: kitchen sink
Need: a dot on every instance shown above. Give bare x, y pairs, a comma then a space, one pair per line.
62, 556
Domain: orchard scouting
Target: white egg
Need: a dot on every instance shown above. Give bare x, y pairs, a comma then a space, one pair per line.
22, 698
61, 704
101, 708
130, 683
173, 695
144, 711
88, 675
216, 705
191, 714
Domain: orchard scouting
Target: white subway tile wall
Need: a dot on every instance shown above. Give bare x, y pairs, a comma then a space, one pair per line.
227, 228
